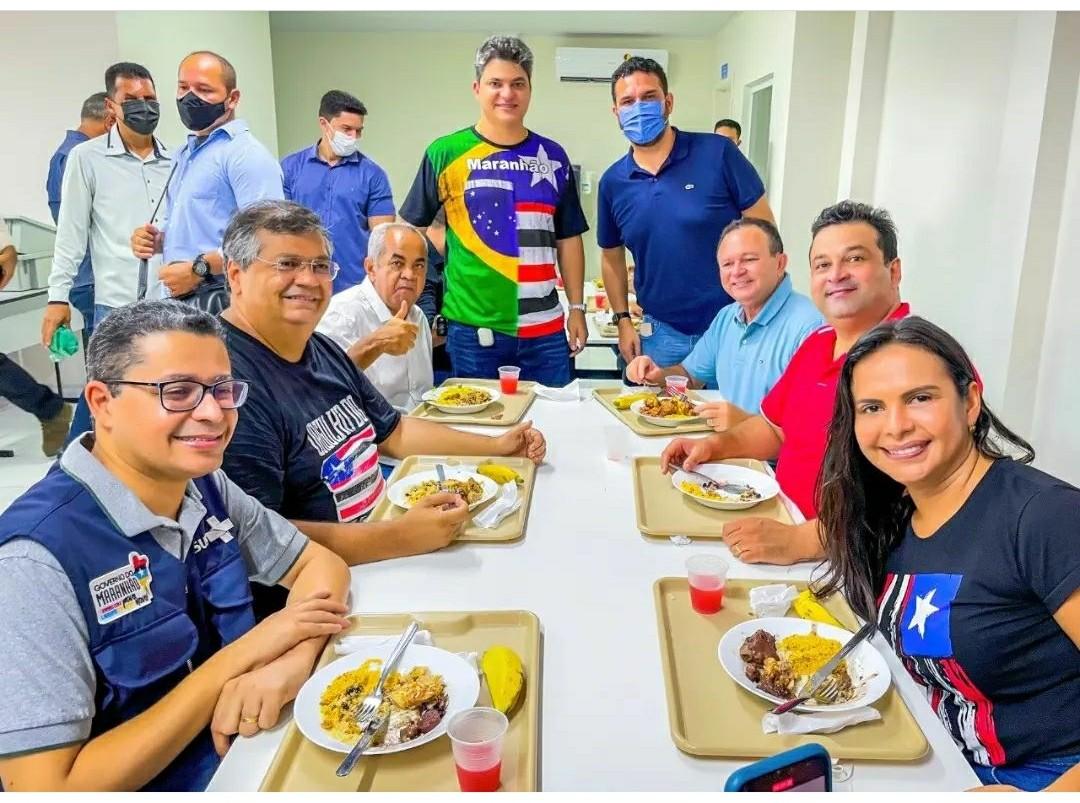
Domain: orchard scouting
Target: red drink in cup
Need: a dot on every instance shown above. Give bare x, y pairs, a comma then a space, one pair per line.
479, 781
676, 383
707, 575
601, 300
476, 737
508, 379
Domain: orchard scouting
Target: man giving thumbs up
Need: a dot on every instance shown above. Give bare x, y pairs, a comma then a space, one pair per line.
377, 321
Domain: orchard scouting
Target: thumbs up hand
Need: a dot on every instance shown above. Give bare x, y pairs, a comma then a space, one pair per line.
398, 335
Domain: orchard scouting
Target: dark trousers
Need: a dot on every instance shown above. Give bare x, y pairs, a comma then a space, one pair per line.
27, 393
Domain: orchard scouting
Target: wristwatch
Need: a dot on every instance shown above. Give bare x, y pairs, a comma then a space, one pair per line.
618, 316
581, 307
200, 267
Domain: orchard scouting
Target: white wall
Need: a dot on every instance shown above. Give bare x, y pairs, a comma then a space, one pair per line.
956, 165
160, 39
53, 61
755, 44
1055, 431
816, 106
413, 99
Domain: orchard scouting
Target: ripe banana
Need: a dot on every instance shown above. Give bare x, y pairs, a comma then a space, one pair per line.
809, 608
500, 473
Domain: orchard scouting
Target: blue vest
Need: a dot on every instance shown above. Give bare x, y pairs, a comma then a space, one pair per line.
151, 617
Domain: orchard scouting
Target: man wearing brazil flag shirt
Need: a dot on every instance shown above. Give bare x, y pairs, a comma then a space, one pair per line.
512, 210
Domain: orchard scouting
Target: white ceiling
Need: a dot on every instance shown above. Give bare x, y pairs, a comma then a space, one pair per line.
523, 23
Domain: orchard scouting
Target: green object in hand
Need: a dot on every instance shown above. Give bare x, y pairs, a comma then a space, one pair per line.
64, 343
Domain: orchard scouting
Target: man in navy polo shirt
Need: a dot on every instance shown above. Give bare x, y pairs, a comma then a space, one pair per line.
667, 200
348, 191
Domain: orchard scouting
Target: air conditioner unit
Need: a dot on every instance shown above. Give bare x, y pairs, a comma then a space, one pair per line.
594, 65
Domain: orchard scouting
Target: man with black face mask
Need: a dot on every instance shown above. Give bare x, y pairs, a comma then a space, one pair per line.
222, 168
112, 183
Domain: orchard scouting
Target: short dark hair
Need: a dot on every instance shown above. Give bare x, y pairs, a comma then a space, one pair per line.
727, 122
228, 72
93, 108
638, 64
776, 245
335, 102
857, 212
125, 69
113, 348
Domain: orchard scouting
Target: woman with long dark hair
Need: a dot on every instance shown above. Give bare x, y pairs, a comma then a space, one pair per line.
967, 557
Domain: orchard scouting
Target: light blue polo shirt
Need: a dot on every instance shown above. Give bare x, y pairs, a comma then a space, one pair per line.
744, 360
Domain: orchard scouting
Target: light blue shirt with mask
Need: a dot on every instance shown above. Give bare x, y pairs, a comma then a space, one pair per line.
744, 360
214, 178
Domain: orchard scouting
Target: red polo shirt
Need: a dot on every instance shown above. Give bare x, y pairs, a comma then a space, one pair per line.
801, 405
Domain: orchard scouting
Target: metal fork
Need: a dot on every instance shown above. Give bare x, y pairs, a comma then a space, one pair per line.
709, 484
372, 702
828, 693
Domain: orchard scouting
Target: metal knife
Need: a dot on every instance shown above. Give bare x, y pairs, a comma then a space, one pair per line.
350, 761
811, 686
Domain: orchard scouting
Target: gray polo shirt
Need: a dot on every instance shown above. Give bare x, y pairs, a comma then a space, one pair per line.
46, 673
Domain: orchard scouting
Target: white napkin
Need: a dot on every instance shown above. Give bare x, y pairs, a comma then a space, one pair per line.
571, 392
818, 721
506, 502
772, 600
346, 645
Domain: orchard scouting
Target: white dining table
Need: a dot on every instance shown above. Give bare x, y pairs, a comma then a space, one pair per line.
587, 573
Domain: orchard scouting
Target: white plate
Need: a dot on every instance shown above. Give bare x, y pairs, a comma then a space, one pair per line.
430, 396
723, 472
396, 492
462, 689
867, 667
662, 422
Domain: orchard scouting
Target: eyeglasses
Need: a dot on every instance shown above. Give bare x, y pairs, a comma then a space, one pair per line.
319, 267
182, 395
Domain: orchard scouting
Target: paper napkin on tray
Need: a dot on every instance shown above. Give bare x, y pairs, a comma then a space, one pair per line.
346, 645
506, 502
817, 721
571, 392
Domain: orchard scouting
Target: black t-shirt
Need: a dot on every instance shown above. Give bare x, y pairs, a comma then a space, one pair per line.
970, 609
306, 441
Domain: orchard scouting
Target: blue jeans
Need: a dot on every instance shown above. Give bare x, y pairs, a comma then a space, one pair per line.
543, 359
1031, 776
82, 299
81, 420
666, 345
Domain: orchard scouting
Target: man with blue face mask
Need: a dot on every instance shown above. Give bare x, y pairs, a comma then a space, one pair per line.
667, 201
348, 191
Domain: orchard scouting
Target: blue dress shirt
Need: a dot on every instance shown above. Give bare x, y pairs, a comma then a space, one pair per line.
55, 180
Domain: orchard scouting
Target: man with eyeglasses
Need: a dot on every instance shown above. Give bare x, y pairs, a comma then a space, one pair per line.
309, 440
132, 652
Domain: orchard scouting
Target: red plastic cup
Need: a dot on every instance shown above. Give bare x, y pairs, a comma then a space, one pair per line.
476, 737
508, 378
707, 575
601, 301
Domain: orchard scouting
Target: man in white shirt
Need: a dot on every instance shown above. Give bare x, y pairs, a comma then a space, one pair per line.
112, 184
377, 321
